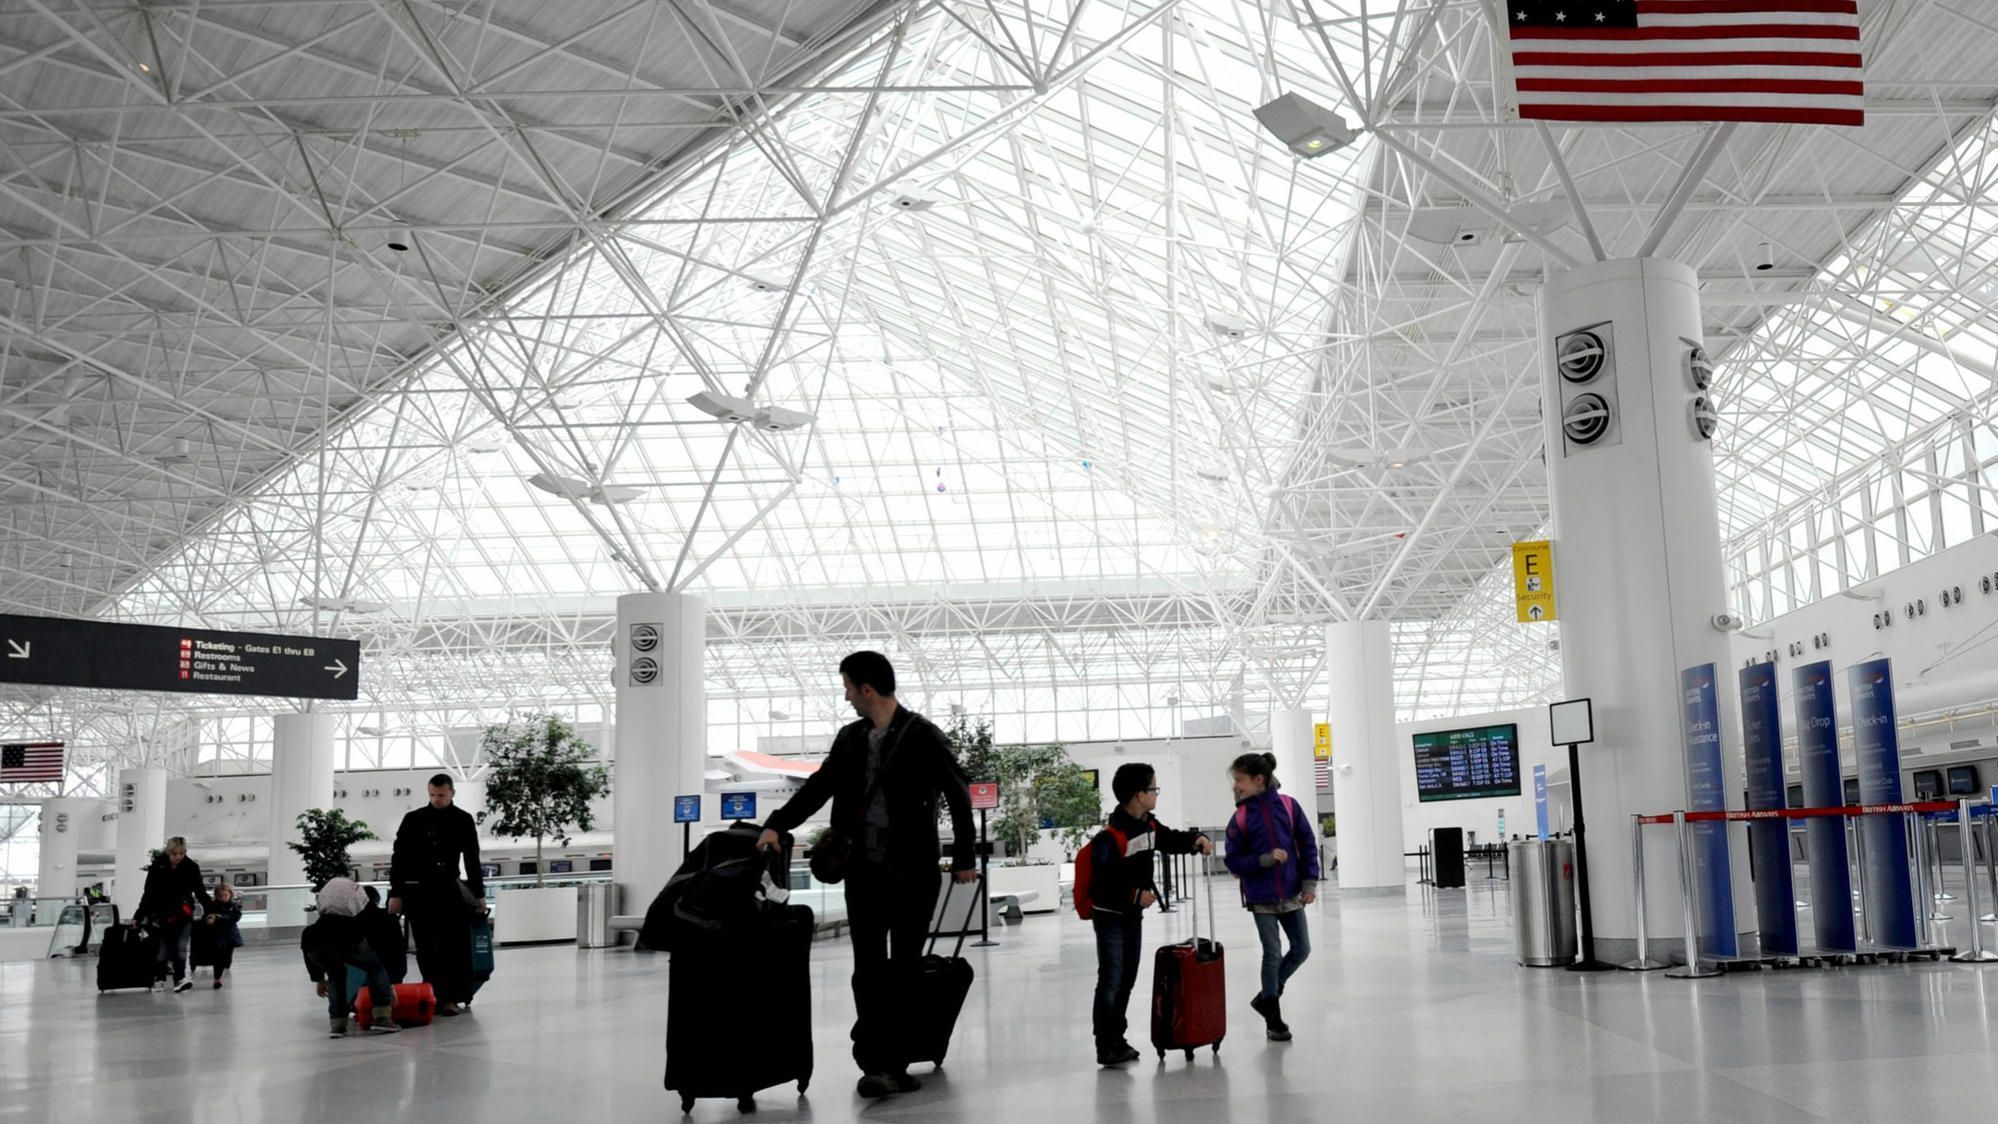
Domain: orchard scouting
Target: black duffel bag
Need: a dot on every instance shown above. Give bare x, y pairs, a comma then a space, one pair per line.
723, 881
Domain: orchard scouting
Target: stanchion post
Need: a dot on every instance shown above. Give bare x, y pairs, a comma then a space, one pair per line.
1859, 881
1643, 963
1936, 863
1991, 864
1692, 969
1975, 954
984, 887
1925, 890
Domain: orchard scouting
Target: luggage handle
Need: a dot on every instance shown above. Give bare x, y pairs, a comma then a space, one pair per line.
950, 884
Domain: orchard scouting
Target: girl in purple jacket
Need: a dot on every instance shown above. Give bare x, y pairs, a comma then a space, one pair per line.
1273, 851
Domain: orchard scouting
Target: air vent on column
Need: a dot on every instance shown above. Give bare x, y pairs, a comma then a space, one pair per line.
1705, 421
1586, 419
1581, 356
1699, 368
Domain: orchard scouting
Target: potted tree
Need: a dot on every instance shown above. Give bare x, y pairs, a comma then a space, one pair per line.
1040, 790
539, 783
324, 834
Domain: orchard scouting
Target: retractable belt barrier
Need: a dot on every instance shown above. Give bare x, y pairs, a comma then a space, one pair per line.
1925, 814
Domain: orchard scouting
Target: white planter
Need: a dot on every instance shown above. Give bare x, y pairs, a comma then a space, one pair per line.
527, 915
1043, 881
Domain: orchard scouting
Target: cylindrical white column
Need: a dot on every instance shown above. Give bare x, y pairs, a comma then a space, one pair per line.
62, 823
1366, 786
660, 735
1290, 742
301, 778
141, 831
1637, 561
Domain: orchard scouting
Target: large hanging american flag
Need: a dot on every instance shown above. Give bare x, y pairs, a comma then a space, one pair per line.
31, 763
1787, 61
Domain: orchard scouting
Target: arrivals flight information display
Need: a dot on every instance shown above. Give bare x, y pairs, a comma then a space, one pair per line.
1467, 764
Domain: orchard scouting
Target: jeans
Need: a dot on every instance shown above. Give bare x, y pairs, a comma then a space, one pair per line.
173, 950
339, 1000
1278, 965
888, 917
1120, 945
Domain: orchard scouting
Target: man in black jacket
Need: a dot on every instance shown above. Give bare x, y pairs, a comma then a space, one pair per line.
1121, 889
424, 884
883, 776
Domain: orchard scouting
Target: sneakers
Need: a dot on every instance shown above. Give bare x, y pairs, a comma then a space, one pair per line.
1273, 1025
1123, 1053
874, 1086
338, 1028
217, 985
183, 985
383, 1022
449, 1010
905, 1082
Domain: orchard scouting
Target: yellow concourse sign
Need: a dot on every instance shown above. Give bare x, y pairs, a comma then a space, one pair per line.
1321, 741
1533, 580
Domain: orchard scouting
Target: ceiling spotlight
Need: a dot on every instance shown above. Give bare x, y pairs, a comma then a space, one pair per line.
768, 285
1765, 257
400, 241
776, 419
1215, 473
1308, 129
570, 488
914, 201
726, 407
181, 453
1228, 326
779, 716
343, 604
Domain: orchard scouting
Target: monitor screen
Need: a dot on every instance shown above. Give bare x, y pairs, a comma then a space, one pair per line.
1467, 764
1963, 780
561, 866
600, 864
1928, 784
1795, 795
1851, 791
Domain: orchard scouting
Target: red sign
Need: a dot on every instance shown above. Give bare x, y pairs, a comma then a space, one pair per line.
984, 795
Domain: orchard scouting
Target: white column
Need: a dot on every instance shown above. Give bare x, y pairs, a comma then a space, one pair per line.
1637, 569
1366, 785
660, 735
141, 800
62, 823
301, 778
1290, 742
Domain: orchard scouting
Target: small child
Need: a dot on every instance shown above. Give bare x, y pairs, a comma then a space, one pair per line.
1273, 850
1120, 891
219, 930
337, 940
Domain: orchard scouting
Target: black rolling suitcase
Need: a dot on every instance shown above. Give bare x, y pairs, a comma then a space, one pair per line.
749, 961
942, 983
128, 958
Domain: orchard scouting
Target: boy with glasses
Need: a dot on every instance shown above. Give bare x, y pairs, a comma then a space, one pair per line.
1120, 891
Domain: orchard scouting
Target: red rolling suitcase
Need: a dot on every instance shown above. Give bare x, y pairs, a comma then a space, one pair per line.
415, 1005
1190, 989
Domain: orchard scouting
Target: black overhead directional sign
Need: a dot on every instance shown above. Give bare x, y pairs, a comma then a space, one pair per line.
139, 657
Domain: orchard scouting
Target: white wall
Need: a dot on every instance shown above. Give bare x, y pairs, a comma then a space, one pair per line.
1481, 816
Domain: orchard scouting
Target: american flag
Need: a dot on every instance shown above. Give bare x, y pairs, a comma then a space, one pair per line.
31, 762
1786, 61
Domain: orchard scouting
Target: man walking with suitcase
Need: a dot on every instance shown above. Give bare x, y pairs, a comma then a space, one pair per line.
883, 776
431, 845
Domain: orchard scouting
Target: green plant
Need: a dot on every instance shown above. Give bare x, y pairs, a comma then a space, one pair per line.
324, 834
1040, 789
539, 781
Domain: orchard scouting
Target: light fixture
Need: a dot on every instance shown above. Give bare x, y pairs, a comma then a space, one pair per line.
1228, 326
777, 419
400, 241
1469, 226
1215, 473
726, 407
768, 285
1308, 129
371, 731
570, 488
1765, 257
779, 716
914, 201
343, 604
181, 453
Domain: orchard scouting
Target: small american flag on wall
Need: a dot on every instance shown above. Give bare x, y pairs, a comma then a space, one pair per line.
1784, 61
31, 762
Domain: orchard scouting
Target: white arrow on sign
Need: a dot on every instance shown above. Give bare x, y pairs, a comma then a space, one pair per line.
18, 649
337, 668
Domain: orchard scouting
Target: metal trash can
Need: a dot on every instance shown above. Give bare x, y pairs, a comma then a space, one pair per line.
1543, 901
596, 904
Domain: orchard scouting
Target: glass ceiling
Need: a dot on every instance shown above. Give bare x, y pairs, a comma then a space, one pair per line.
1018, 383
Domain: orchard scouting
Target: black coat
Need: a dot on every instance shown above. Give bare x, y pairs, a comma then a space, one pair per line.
1116, 880
171, 891
428, 847
919, 768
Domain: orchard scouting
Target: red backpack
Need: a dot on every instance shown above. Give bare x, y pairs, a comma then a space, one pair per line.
1085, 906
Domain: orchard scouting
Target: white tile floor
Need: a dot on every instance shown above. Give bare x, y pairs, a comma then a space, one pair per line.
1411, 1010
